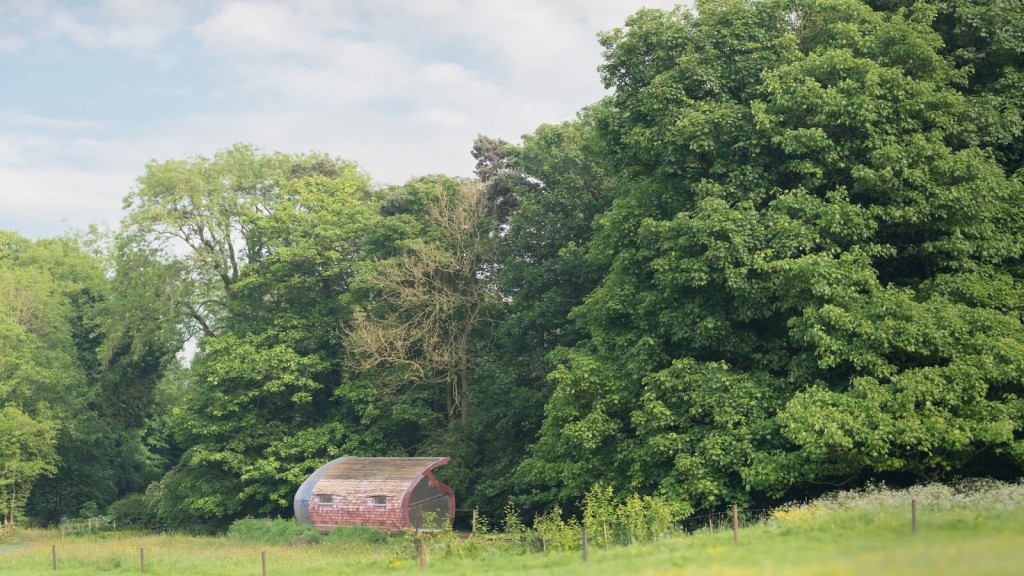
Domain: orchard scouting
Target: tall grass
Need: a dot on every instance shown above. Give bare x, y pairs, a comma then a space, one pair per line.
276, 532
967, 528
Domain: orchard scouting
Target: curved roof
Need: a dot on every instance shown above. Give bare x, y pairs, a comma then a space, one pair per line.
363, 476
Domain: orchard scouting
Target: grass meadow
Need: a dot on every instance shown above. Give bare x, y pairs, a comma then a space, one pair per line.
975, 529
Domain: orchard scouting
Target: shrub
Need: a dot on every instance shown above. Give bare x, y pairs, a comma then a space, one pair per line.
638, 519
273, 531
599, 512
132, 511
357, 535
89, 510
513, 524
558, 534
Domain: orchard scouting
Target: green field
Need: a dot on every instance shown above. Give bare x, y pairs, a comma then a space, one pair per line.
867, 533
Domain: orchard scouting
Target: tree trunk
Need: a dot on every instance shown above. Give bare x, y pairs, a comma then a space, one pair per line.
449, 399
463, 382
464, 360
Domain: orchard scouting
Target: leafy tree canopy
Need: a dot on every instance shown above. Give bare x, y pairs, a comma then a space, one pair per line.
811, 276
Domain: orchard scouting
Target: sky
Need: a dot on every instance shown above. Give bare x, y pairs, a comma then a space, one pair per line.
93, 90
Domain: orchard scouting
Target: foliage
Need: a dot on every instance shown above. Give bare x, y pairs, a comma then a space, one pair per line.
978, 534
812, 277
27, 451
96, 525
423, 309
512, 523
277, 531
600, 512
557, 534
266, 402
637, 519
132, 511
82, 397
783, 254
559, 179
357, 535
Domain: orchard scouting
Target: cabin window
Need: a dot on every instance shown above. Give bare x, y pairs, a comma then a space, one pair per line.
325, 498
379, 500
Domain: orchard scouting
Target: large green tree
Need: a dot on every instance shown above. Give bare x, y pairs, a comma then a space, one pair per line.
266, 402
426, 307
27, 452
559, 181
89, 400
811, 276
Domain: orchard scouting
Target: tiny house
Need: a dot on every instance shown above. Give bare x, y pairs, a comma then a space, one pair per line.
392, 494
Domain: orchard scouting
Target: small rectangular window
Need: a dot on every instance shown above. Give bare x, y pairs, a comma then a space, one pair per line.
325, 498
379, 500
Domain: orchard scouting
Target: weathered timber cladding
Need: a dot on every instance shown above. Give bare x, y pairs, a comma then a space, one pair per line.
355, 488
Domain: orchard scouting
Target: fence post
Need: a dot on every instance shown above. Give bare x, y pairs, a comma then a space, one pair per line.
735, 525
913, 515
142, 560
263, 561
53, 555
423, 554
584, 545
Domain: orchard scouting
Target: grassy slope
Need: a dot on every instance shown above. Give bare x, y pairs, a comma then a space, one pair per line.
872, 538
948, 542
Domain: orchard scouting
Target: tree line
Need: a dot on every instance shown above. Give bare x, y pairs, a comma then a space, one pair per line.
783, 255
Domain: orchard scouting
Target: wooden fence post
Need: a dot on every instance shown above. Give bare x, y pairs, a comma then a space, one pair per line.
53, 555
913, 515
735, 525
142, 560
584, 545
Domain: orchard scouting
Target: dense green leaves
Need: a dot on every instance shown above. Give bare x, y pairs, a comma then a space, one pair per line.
783, 253
811, 277
27, 451
81, 399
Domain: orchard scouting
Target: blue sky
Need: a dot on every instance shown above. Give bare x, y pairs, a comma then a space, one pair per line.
94, 90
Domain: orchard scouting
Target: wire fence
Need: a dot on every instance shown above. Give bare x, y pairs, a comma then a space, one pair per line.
87, 526
716, 521
732, 520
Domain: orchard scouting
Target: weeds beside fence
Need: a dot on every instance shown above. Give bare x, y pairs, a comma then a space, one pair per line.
872, 512
93, 525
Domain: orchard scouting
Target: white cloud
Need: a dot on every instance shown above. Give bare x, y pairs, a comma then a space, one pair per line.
160, 12
46, 200
24, 119
301, 28
118, 35
120, 24
11, 44
402, 87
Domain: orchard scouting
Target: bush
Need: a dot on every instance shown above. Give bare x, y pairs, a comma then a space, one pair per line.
132, 511
513, 524
638, 519
558, 534
273, 531
357, 535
